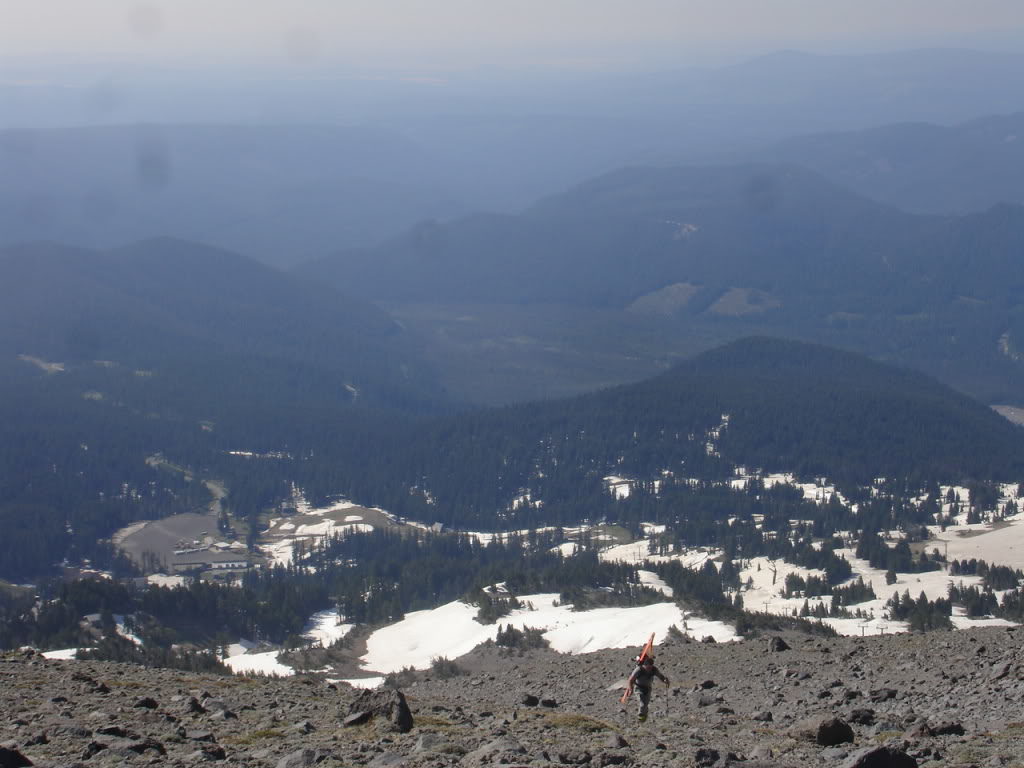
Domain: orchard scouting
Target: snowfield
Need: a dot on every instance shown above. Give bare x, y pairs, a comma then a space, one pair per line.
1001, 543
451, 630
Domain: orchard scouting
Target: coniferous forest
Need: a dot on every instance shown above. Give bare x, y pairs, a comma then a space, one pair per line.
98, 443
761, 404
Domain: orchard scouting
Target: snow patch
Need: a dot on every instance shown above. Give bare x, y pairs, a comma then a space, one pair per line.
164, 580
654, 581
359, 682
325, 628
64, 654
259, 664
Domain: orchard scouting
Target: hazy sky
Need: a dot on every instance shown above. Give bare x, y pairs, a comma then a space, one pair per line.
465, 34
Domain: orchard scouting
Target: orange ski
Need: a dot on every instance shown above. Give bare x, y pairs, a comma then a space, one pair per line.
648, 647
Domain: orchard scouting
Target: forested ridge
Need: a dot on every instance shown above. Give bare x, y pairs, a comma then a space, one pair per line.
763, 404
177, 350
899, 164
759, 403
167, 348
810, 249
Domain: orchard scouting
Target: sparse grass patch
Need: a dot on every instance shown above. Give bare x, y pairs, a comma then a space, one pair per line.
787, 746
237, 680
253, 737
1010, 742
885, 736
967, 754
433, 721
577, 722
360, 733
126, 684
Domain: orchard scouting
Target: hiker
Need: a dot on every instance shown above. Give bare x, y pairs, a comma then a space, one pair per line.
640, 683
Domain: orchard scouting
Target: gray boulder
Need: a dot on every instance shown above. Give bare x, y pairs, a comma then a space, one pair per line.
388, 705
834, 731
12, 758
880, 757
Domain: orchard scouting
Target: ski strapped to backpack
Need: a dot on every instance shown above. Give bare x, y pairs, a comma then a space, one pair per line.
644, 653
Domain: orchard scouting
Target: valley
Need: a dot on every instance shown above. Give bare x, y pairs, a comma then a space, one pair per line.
376, 416
691, 490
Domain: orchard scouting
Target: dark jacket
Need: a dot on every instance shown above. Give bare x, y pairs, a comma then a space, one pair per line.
643, 676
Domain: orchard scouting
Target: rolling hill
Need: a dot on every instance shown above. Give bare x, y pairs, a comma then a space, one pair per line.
721, 252
168, 302
920, 167
288, 170
769, 404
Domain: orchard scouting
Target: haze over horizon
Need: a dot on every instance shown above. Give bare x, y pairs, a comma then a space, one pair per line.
304, 38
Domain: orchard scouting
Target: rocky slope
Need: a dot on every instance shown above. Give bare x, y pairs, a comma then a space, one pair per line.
943, 699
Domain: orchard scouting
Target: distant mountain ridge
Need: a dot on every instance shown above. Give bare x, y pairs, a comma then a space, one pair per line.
279, 193
920, 167
731, 250
609, 240
344, 162
55, 297
180, 333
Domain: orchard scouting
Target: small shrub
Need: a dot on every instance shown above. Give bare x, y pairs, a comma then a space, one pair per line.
445, 668
520, 639
401, 679
490, 609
